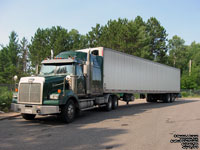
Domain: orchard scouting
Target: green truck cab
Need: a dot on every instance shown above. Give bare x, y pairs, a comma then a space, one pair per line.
67, 84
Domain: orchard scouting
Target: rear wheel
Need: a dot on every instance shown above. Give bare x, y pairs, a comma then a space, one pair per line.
173, 97
151, 98
28, 116
108, 106
114, 102
68, 112
167, 98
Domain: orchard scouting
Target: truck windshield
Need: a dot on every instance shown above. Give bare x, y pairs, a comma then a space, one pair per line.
56, 69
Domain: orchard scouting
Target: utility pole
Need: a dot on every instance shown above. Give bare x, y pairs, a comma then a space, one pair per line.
174, 61
190, 66
36, 69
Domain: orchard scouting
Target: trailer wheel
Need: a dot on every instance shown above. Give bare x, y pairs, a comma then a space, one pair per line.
108, 106
114, 102
68, 112
173, 97
28, 116
167, 98
150, 98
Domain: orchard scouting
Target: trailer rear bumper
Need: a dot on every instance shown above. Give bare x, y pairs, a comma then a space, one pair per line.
35, 109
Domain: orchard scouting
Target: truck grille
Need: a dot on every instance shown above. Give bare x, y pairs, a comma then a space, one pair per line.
29, 92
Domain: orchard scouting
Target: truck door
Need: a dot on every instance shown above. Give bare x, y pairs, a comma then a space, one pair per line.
80, 80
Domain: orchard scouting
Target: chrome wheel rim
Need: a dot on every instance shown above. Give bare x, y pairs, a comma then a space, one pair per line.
168, 98
70, 111
110, 104
115, 103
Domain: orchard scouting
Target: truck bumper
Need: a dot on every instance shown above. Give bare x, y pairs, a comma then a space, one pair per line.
35, 109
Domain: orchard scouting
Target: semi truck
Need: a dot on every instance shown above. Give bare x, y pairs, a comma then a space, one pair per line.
75, 81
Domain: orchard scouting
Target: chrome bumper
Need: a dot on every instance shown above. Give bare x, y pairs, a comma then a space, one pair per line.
35, 109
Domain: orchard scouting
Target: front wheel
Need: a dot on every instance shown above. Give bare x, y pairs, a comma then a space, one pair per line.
28, 116
68, 112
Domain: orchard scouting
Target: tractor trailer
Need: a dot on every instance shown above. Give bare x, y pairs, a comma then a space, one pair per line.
75, 81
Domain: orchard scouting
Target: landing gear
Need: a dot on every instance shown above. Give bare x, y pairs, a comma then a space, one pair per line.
128, 97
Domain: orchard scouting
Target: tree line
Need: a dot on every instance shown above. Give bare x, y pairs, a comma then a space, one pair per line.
148, 40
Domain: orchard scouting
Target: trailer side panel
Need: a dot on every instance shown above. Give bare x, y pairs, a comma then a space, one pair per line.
125, 73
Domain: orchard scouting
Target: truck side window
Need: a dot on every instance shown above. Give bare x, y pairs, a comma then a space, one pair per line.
95, 52
79, 71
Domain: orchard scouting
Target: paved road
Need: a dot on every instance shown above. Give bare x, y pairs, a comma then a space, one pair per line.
139, 126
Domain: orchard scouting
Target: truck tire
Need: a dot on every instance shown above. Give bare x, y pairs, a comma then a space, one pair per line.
173, 97
150, 98
68, 112
108, 106
114, 102
28, 116
167, 98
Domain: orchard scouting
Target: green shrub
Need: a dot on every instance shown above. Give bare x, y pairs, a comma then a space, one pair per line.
185, 94
5, 99
136, 96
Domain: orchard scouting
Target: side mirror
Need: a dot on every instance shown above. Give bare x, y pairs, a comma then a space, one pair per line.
69, 79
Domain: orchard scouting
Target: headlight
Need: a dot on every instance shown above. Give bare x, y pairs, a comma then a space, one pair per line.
54, 96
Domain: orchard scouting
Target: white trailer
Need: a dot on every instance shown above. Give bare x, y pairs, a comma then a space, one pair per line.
124, 73
131, 74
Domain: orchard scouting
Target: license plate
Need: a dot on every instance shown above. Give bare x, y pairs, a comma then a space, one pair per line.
28, 111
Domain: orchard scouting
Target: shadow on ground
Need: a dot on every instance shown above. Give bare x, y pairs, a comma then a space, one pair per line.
124, 110
49, 133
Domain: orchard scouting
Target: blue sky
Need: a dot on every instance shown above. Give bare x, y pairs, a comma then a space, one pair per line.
179, 17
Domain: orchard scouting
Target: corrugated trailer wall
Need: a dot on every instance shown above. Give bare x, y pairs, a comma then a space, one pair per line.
128, 74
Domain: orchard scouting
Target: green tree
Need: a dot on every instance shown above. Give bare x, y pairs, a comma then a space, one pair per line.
3, 64
83, 42
178, 53
114, 34
39, 48
93, 36
157, 40
133, 37
57, 39
194, 56
9, 59
137, 43
76, 40
188, 82
24, 55
13, 49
